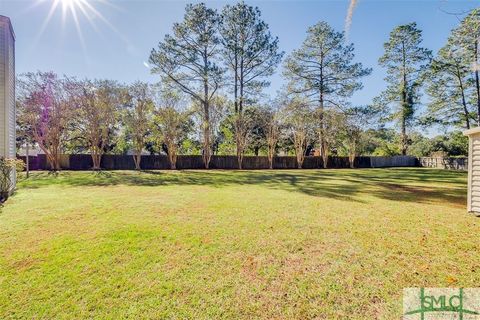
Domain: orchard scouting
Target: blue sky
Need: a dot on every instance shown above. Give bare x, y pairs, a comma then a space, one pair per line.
118, 46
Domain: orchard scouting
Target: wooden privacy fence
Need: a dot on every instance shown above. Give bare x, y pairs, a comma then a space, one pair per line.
33, 162
395, 161
444, 163
157, 162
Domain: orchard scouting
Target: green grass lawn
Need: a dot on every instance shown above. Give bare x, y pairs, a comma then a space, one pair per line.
325, 244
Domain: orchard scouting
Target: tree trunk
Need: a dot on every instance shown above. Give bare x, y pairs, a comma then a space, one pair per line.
240, 136
206, 145
464, 103
241, 84
172, 157
299, 162
206, 110
137, 158
404, 106
239, 157
271, 151
403, 120
465, 110
403, 137
49, 155
239, 139
96, 158
235, 85
322, 140
240, 160
323, 145
240, 125
94, 161
52, 160
239, 152
477, 81
352, 161
325, 155
352, 155
300, 153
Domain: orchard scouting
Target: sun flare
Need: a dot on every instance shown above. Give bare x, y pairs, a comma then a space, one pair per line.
70, 3
76, 12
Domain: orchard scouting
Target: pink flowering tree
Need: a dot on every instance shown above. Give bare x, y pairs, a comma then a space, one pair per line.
45, 106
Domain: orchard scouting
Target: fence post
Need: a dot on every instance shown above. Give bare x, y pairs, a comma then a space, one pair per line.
27, 161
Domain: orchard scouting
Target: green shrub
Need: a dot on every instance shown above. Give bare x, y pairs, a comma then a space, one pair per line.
7, 167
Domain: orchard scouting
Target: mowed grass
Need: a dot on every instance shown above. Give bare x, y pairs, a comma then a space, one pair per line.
319, 244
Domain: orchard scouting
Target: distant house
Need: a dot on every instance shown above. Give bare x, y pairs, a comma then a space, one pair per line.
130, 152
32, 151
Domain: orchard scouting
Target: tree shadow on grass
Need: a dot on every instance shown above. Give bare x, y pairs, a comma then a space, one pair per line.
409, 185
453, 197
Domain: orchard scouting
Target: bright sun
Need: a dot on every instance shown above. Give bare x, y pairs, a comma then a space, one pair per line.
72, 8
79, 12
67, 4
75, 11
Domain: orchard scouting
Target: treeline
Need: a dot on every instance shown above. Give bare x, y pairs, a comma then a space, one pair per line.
213, 68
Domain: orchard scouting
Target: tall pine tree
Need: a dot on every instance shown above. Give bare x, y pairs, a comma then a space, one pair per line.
251, 54
323, 71
405, 62
450, 87
188, 59
467, 36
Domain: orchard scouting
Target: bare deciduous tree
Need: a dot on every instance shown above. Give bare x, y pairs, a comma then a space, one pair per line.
272, 134
139, 106
171, 125
98, 103
299, 121
354, 122
332, 122
242, 125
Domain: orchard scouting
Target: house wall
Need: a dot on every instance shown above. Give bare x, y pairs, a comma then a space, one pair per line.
7, 90
473, 204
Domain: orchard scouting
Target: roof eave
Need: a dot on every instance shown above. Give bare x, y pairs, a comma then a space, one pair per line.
5, 18
472, 131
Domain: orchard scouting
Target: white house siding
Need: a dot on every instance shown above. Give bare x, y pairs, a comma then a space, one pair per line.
474, 175
7, 89
3, 110
11, 97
